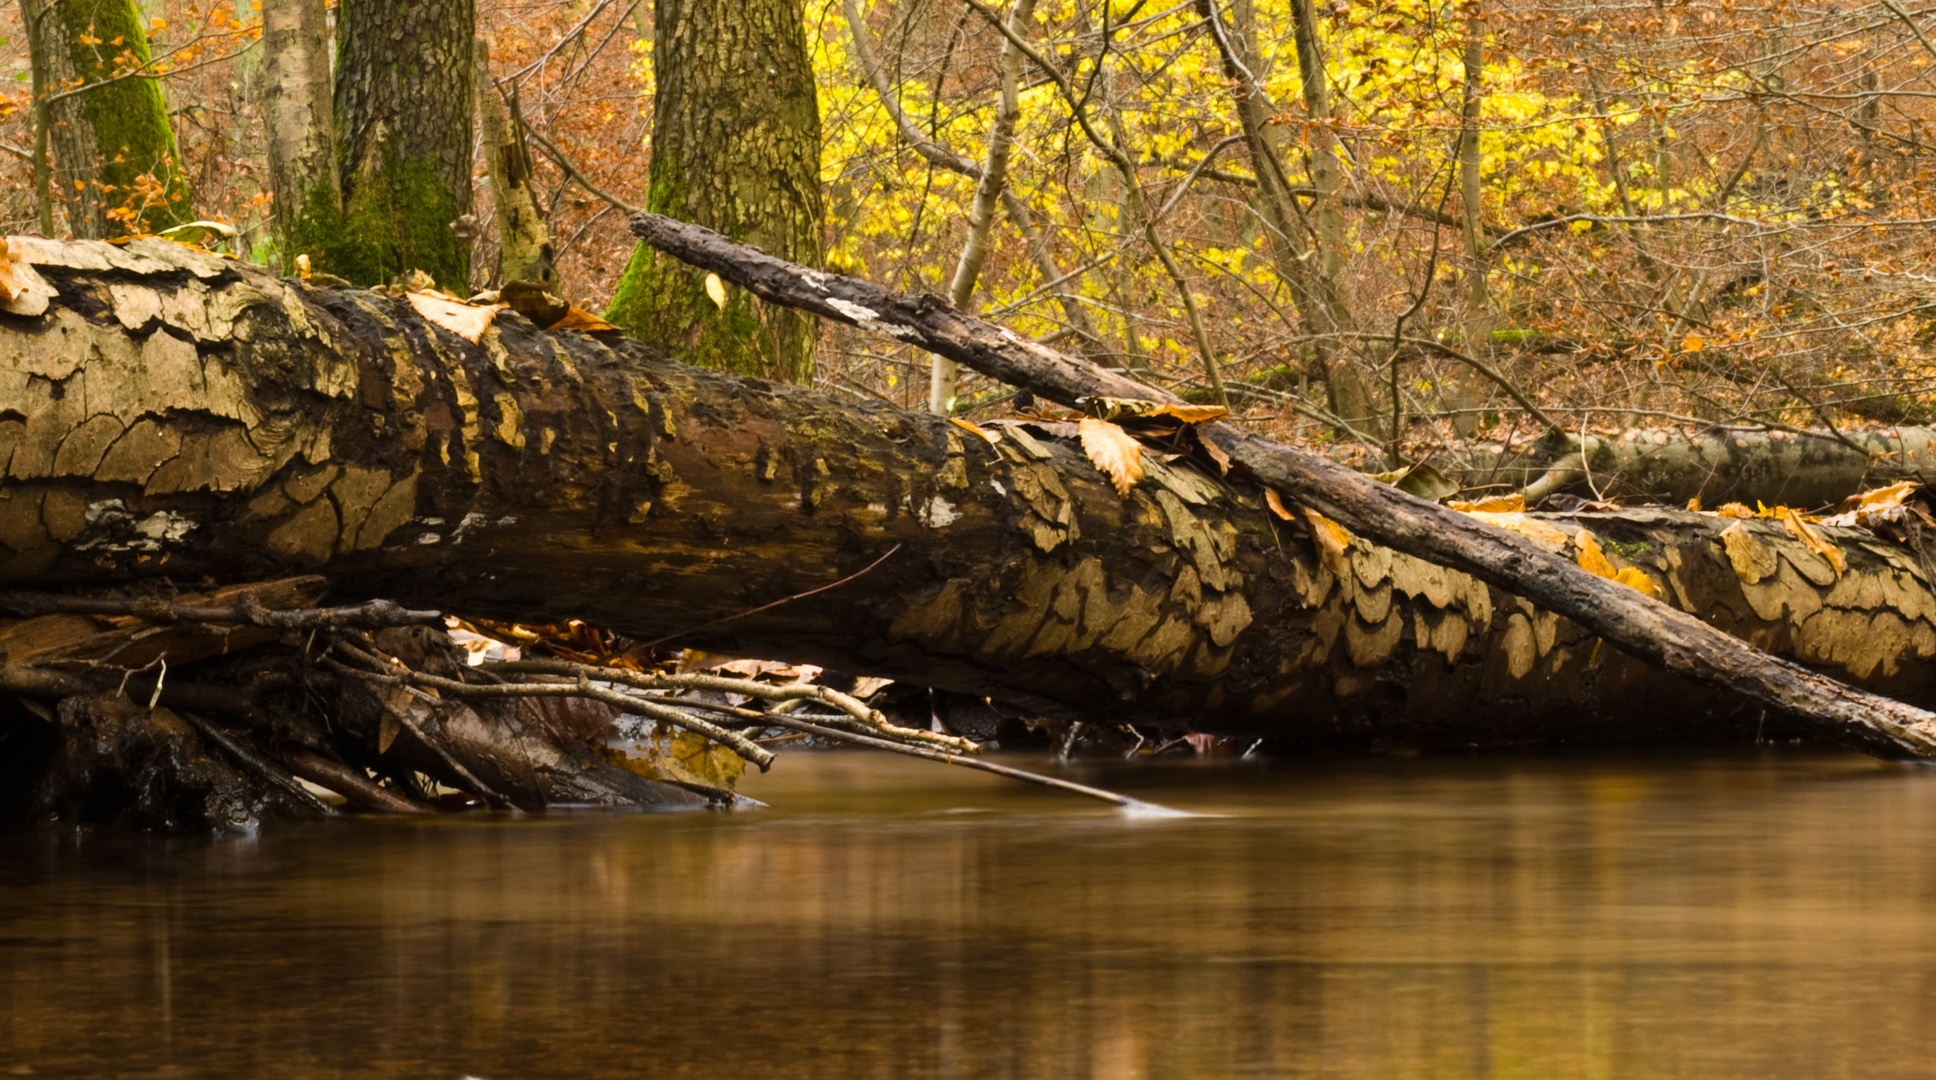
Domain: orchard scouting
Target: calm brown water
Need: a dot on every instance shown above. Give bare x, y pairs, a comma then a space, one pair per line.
1724, 914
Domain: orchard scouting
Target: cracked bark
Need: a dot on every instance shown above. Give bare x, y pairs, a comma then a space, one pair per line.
170, 413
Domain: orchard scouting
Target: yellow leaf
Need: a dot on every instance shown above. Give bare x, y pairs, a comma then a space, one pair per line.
993, 437
716, 290
9, 288
1108, 408
577, 318
1331, 539
1492, 504
1734, 510
459, 318
1813, 539
1692, 343
1637, 578
302, 267
1276, 503
1752, 560
1591, 558
1884, 498
1546, 536
1113, 451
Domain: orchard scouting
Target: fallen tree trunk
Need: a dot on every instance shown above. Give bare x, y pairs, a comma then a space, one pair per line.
165, 414
1652, 632
1800, 468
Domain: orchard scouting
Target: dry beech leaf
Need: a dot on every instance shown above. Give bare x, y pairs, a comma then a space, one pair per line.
1109, 408
1813, 539
459, 318
1734, 510
1114, 452
577, 318
1591, 558
1331, 538
9, 288
1492, 504
1887, 497
1635, 578
1693, 343
1752, 559
993, 437
716, 291
1217, 455
1546, 536
1276, 504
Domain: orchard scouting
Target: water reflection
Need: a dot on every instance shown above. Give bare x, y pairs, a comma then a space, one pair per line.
1729, 915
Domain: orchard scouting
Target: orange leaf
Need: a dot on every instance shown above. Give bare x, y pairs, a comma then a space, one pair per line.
1692, 343
1591, 558
9, 288
1114, 452
1331, 539
1108, 408
1813, 539
993, 437
1216, 454
1492, 504
1636, 578
1277, 506
459, 318
577, 318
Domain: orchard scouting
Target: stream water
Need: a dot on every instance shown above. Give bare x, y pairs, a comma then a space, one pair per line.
1700, 913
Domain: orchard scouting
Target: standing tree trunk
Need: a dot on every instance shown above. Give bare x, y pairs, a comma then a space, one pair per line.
1478, 321
302, 129
735, 146
524, 239
405, 79
116, 164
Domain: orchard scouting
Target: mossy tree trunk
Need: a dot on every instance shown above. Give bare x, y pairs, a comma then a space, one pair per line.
302, 128
735, 147
404, 98
116, 165
524, 237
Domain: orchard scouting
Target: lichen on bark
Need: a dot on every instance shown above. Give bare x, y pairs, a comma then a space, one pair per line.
735, 147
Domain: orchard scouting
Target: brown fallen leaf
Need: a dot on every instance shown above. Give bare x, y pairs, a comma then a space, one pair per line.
1276, 504
1108, 408
1492, 504
1331, 539
993, 437
1734, 510
1217, 455
9, 288
1635, 578
1752, 560
1113, 451
1539, 532
577, 318
1807, 535
459, 318
1591, 558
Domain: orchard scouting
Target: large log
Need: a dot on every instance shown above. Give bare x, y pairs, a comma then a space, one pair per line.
170, 414
1656, 633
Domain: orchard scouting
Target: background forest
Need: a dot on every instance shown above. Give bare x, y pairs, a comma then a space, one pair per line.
1475, 221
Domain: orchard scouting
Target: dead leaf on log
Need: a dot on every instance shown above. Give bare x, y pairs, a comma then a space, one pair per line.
1537, 531
577, 318
1752, 560
1734, 510
1114, 452
1591, 558
1492, 504
993, 437
459, 318
1881, 506
1217, 455
27, 293
1331, 538
1807, 535
1276, 503
9, 288
1108, 408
